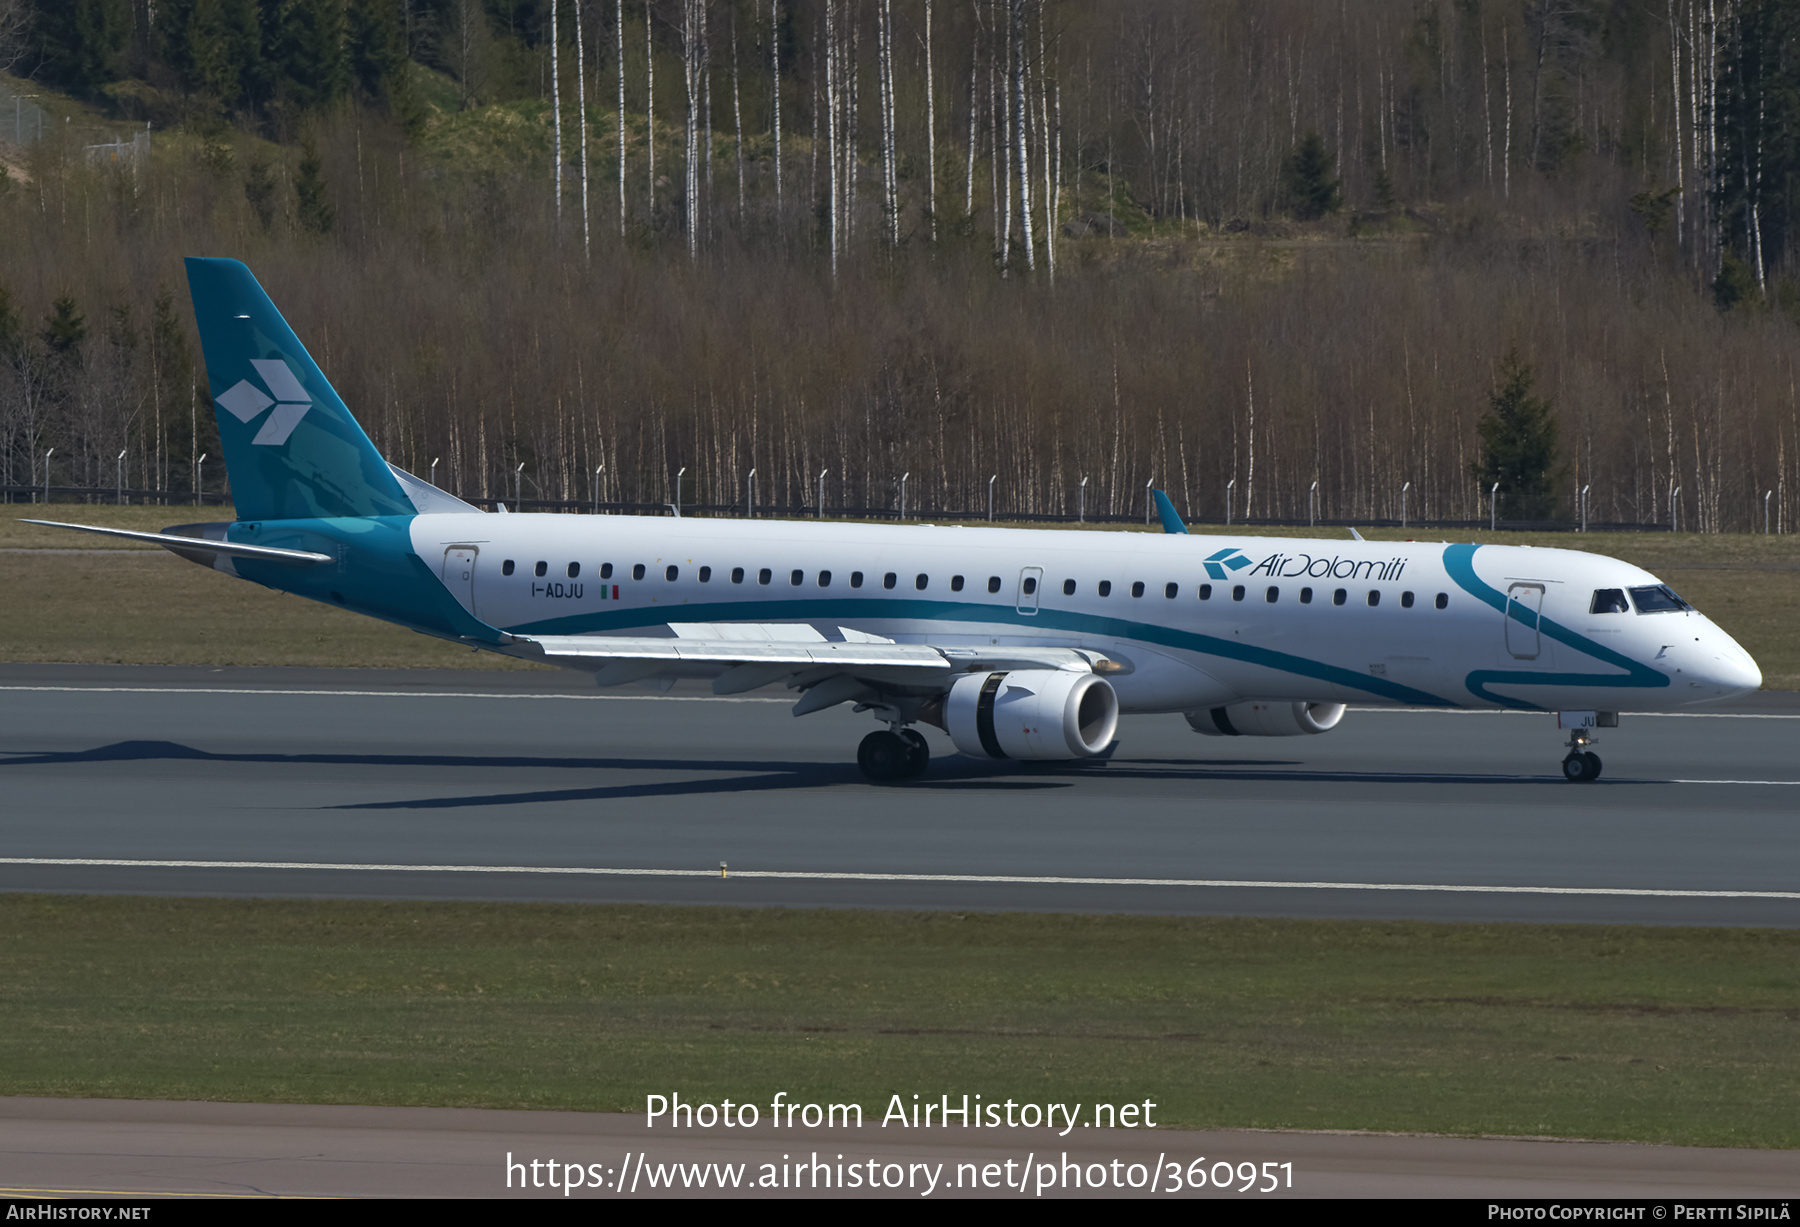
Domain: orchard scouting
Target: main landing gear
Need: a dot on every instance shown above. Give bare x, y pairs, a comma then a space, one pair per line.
893, 754
1582, 766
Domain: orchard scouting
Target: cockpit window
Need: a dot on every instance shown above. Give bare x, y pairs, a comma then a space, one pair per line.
1609, 600
1659, 599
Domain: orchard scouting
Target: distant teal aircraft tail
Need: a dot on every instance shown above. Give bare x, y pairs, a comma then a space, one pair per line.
1165, 511
291, 447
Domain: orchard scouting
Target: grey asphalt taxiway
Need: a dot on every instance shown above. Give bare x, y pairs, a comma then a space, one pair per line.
494, 785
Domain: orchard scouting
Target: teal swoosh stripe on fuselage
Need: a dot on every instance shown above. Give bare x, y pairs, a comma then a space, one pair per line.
924, 610
1459, 561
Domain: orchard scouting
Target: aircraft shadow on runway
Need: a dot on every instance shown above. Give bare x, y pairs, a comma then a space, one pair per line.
953, 773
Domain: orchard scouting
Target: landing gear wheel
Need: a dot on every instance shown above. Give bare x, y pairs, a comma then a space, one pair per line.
1581, 768
884, 756
1593, 762
919, 752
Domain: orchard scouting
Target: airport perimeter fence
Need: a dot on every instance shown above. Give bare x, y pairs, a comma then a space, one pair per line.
21, 120
104, 495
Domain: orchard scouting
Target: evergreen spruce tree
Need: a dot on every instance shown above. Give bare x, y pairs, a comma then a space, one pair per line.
310, 206
79, 42
1306, 177
1734, 286
309, 55
64, 331
1518, 445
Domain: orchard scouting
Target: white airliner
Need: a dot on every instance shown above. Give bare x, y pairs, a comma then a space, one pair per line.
1018, 644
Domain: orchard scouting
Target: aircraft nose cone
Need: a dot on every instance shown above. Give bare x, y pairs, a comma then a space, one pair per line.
1731, 670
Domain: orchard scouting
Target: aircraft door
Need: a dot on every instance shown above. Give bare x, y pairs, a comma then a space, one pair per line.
1523, 601
1030, 580
459, 574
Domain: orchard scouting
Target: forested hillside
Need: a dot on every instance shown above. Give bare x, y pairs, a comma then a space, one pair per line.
1260, 252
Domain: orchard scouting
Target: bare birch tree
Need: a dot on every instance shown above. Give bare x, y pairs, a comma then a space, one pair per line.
581, 128
621, 53
556, 168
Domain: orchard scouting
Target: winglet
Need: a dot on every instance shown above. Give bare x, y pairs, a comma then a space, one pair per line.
1356, 534
1165, 510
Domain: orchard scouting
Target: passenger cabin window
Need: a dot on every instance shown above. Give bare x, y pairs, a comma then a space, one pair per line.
1609, 600
737, 575
1170, 590
1443, 600
1272, 595
1206, 592
637, 572
1106, 587
606, 570
1659, 599
993, 583
1030, 584
1068, 587
1374, 598
543, 569
1339, 597
705, 575
1237, 593
672, 574
1137, 588
1306, 596
574, 570
824, 579
764, 576
956, 583
506, 568
856, 579
796, 578
1406, 600
889, 580
920, 581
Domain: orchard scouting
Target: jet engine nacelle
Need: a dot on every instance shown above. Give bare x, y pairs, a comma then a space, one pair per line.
1031, 714
1260, 719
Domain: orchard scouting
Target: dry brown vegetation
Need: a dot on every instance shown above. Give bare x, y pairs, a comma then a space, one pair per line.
1211, 343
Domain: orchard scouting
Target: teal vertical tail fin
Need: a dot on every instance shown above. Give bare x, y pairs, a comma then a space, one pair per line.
1165, 510
291, 447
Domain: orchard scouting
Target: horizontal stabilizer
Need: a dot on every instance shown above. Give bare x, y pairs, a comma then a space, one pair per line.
200, 545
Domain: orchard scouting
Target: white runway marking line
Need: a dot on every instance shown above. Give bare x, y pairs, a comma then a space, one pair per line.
402, 694
968, 878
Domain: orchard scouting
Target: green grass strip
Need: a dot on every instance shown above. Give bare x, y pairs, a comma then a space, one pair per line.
1637, 1033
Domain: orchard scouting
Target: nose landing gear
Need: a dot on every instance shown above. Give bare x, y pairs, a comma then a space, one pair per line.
1582, 766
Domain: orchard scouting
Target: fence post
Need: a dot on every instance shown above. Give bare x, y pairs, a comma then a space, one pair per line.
1081, 506
903, 478
119, 479
1494, 508
594, 490
1766, 496
678, 477
200, 480
1230, 498
47, 456
1404, 491
991, 482
750, 495
821, 508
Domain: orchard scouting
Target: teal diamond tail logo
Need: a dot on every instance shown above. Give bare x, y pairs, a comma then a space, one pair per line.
1233, 558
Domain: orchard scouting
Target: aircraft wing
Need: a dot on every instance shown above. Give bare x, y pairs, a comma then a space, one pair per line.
744, 656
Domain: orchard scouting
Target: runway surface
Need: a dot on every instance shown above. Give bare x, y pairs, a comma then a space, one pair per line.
490, 785
62, 1147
